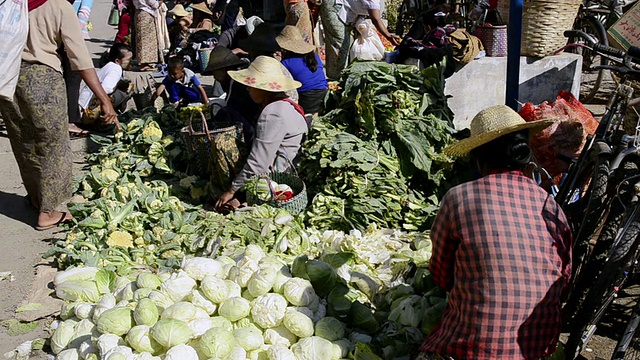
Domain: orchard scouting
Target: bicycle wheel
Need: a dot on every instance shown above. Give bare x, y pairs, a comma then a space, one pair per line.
604, 290
407, 14
591, 79
627, 348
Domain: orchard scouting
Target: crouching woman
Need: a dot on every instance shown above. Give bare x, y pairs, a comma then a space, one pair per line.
281, 124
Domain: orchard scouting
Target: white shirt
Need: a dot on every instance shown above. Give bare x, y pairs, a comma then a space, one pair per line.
109, 76
352, 9
150, 6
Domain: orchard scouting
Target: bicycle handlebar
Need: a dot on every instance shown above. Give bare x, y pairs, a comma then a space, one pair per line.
629, 56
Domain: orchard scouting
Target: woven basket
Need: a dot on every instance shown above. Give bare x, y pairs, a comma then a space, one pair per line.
297, 203
203, 56
503, 9
543, 25
494, 39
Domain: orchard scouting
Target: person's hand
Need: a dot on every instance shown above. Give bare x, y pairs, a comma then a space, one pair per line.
238, 51
395, 40
224, 199
108, 115
206, 101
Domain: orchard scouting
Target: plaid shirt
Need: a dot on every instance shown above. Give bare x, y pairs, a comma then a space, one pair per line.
501, 247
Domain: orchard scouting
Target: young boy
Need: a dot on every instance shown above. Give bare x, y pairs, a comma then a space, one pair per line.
182, 85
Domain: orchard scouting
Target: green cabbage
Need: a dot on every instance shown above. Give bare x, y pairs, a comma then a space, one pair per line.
248, 338
234, 308
78, 290
217, 343
330, 328
215, 289
221, 322
198, 299
298, 323
322, 277
146, 312
363, 319
313, 348
75, 274
140, 340
161, 300
84, 310
116, 321
238, 353
268, 310
178, 287
181, 352
280, 352
280, 336
299, 292
182, 311
170, 332
199, 326
62, 336
199, 268
148, 280
262, 281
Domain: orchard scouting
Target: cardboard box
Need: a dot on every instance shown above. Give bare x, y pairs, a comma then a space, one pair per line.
626, 31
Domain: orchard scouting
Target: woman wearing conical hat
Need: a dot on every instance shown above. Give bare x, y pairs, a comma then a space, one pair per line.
280, 127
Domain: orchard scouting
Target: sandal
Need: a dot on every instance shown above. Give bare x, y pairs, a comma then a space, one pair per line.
63, 219
77, 132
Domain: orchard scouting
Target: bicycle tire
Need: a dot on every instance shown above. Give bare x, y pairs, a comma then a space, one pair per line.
406, 16
604, 289
591, 25
624, 344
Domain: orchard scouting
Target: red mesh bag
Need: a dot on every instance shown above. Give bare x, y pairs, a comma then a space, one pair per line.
566, 137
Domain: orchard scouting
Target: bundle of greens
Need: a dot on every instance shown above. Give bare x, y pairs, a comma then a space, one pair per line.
377, 158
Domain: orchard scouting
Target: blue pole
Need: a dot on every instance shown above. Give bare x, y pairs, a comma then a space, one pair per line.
513, 53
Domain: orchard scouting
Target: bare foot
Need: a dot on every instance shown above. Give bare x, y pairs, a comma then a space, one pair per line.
48, 220
75, 130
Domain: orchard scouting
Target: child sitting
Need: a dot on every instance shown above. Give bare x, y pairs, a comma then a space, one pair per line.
182, 85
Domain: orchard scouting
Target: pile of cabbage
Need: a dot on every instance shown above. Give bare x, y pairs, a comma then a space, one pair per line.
247, 308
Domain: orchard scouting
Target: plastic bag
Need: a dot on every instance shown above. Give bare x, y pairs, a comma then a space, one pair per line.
566, 137
368, 45
14, 27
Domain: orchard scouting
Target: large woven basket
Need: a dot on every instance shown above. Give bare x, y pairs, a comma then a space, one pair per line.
543, 25
503, 9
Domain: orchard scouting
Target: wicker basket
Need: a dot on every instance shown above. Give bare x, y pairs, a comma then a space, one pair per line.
503, 9
543, 25
297, 203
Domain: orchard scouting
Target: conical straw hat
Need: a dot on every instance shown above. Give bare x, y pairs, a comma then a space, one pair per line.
492, 123
291, 39
265, 73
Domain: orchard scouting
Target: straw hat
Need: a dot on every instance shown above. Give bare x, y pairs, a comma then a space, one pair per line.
201, 7
263, 39
179, 11
291, 39
492, 123
265, 73
252, 23
222, 58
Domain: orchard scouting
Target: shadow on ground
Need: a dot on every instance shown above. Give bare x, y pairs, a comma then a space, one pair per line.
15, 207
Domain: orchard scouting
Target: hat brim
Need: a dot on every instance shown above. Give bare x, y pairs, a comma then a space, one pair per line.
222, 66
202, 8
279, 83
463, 147
180, 13
296, 47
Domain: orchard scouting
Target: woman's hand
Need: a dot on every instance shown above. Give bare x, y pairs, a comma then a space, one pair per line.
108, 115
394, 39
224, 199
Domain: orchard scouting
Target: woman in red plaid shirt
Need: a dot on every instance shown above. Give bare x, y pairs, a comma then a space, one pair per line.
501, 248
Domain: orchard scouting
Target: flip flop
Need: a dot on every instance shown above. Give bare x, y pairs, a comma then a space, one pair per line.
78, 132
63, 219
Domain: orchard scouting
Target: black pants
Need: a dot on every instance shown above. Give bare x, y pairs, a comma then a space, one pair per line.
312, 101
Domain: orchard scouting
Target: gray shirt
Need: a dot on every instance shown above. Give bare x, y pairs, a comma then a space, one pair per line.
280, 128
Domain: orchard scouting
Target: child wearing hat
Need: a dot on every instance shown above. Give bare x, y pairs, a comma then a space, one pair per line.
182, 85
305, 66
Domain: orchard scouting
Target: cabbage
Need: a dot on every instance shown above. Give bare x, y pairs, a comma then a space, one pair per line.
78, 290
148, 280
107, 302
69, 354
84, 310
340, 300
268, 310
106, 342
282, 277
182, 311
355, 338
62, 336
145, 356
246, 323
242, 272
86, 348
321, 312
116, 321
344, 345
199, 268
82, 331
234, 308
303, 310
75, 274
273, 263
247, 295
199, 326
330, 328
280, 352
313, 348
298, 323
248, 338
161, 300
141, 293
261, 282
221, 322
238, 353
68, 311
178, 287
363, 319
181, 352
217, 343
138, 338
322, 277
170, 332
254, 252
234, 289
299, 292
215, 289
198, 299
119, 353
201, 314
259, 354
279, 336
225, 260
146, 312
408, 310
126, 292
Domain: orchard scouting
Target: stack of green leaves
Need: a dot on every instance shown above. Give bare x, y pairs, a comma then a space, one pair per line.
377, 157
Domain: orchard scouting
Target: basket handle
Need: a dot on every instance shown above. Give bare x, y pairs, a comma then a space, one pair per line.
283, 155
205, 127
271, 189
